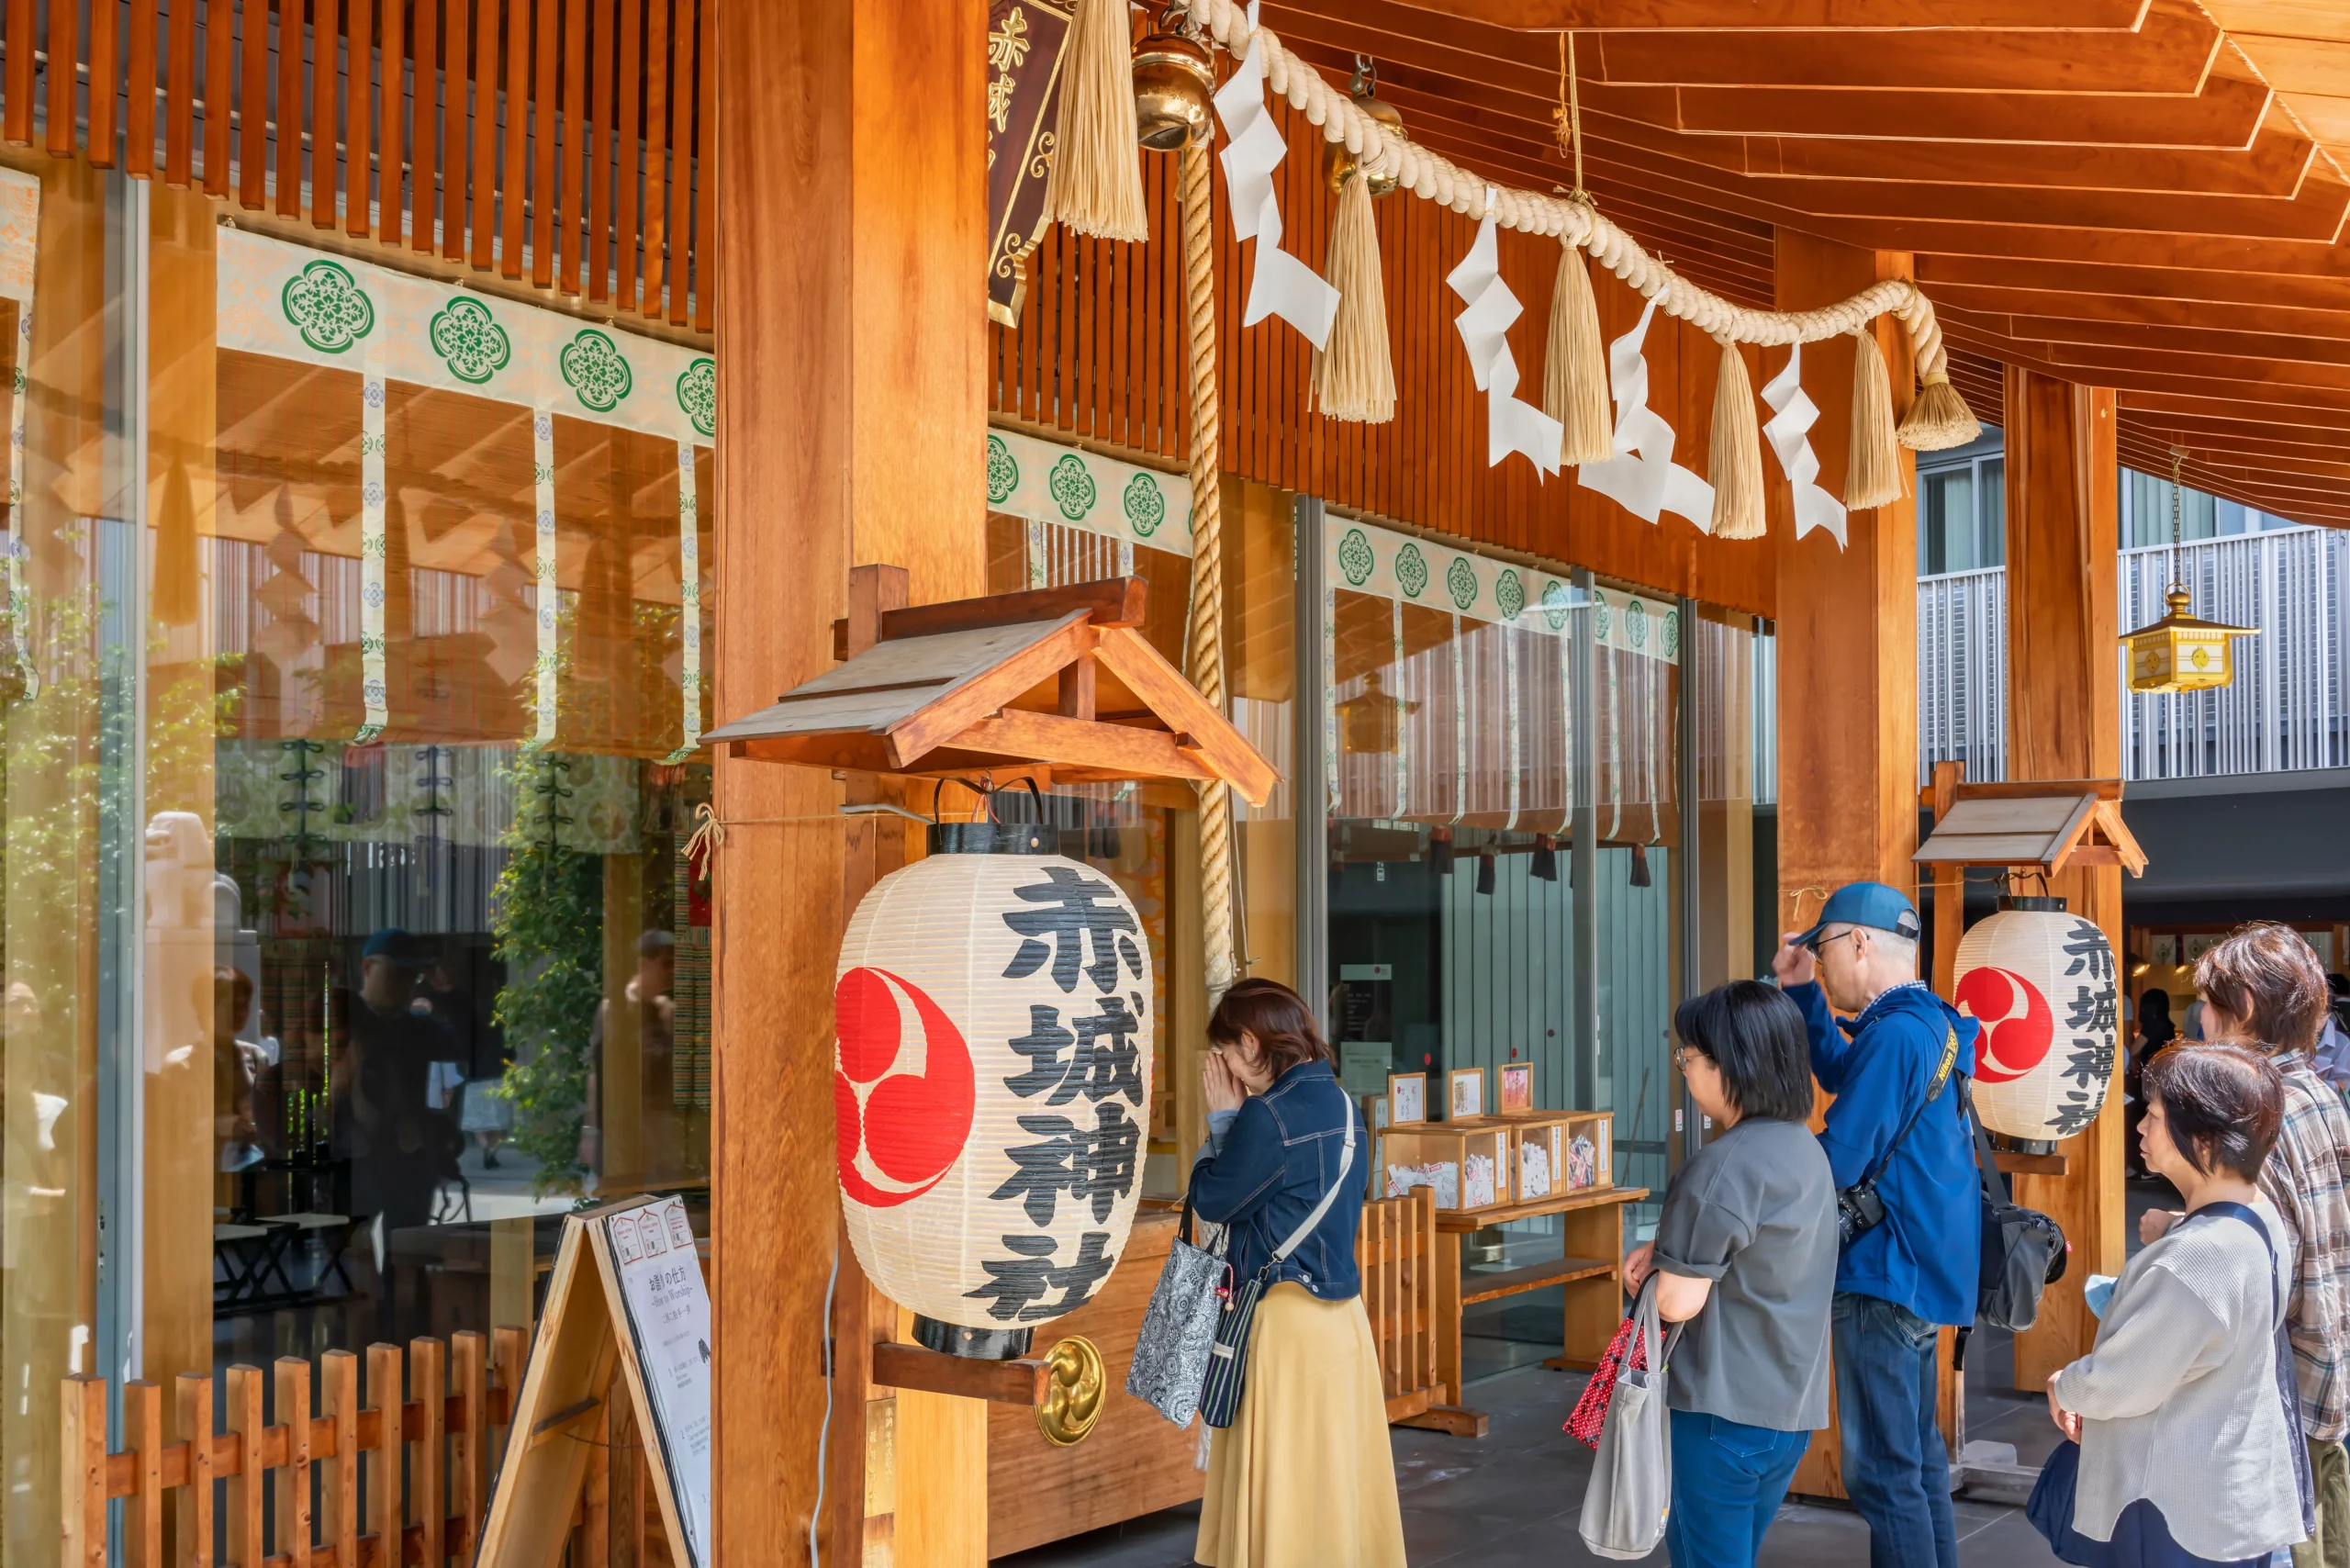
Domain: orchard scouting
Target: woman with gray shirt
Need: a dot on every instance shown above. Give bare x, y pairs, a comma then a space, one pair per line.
1745, 1260
2190, 1450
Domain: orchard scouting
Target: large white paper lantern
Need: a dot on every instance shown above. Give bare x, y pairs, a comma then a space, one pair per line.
2042, 983
992, 1084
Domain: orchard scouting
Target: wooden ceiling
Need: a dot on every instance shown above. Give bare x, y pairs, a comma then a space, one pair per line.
2148, 195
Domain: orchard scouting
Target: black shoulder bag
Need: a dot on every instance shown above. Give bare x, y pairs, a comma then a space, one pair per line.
1859, 1209
2024, 1252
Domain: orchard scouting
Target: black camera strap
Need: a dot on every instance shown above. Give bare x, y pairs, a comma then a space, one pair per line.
1933, 1092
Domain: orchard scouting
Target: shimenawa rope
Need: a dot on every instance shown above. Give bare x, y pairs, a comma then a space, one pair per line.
1938, 419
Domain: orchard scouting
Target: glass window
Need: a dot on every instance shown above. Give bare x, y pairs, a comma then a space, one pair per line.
1993, 511
1946, 526
428, 959
2149, 511
1482, 714
70, 858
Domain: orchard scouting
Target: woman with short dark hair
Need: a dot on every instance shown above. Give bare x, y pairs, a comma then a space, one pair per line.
2189, 1449
1745, 1259
1304, 1473
2264, 988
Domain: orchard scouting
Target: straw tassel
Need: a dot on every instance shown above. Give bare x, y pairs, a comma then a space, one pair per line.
1096, 185
1574, 365
1940, 418
1734, 460
1354, 374
1873, 478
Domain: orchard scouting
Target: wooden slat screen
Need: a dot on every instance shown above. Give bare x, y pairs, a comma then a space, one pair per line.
567, 113
1100, 354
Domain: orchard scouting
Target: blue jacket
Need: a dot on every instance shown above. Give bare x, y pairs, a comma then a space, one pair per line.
1268, 1170
1927, 1254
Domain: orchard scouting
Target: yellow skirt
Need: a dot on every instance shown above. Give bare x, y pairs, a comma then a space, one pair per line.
1304, 1475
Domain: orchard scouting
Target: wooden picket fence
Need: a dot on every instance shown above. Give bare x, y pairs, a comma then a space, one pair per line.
443, 1439
1396, 1250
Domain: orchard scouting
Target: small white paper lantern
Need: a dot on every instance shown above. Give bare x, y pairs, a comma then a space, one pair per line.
2043, 984
992, 1084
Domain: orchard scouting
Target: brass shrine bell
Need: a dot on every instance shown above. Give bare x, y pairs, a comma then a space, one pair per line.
1075, 1392
1337, 161
1174, 90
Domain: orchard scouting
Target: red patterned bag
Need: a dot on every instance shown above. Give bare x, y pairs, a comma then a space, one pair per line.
1626, 1350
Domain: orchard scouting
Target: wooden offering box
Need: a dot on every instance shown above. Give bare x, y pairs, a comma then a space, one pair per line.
1467, 1163
1555, 1152
1590, 1150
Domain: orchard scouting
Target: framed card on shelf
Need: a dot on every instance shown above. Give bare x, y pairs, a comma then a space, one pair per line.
1407, 1098
1464, 1093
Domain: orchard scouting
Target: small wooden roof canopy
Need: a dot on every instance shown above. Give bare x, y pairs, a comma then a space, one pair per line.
2047, 827
1060, 676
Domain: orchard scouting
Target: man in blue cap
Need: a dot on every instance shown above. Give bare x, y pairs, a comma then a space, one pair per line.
1897, 1127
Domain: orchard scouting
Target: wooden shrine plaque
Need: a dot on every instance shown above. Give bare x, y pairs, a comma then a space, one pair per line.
1025, 39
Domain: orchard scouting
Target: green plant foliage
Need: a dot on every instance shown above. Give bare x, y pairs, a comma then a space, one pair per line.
549, 927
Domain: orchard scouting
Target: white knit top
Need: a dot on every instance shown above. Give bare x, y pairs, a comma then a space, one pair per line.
2179, 1400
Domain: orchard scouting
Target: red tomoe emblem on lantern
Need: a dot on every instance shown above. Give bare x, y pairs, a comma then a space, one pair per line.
902, 1092
2018, 1027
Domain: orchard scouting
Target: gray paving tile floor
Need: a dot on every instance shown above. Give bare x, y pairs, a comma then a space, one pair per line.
1511, 1499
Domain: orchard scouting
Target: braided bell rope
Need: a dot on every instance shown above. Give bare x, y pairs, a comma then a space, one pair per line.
1434, 177
1207, 561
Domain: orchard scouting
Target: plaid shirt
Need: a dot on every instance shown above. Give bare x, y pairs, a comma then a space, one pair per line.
2307, 1177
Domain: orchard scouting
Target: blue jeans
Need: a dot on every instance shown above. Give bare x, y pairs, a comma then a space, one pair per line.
1896, 1470
1727, 1479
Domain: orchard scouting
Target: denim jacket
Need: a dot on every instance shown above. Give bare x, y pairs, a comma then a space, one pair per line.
1264, 1175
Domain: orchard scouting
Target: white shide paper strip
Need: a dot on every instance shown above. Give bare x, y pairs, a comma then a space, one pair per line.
1279, 284
1511, 424
1793, 413
1642, 477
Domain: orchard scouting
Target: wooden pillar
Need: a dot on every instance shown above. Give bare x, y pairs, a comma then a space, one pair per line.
851, 327
1847, 655
2064, 721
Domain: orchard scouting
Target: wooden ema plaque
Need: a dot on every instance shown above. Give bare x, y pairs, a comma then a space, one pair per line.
627, 1317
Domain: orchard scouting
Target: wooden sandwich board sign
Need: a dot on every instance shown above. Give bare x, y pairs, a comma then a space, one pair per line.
627, 1317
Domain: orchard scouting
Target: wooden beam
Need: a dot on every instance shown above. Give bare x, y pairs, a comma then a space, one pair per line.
1847, 661
1113, 749
1111, 601
851, 238
1000, 1383
2169, 53
1879, 16
2063, 723
2227, 114
2251, 284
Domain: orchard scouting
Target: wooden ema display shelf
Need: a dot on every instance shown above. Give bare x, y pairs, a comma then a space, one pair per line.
1592, 1221
1396, 1253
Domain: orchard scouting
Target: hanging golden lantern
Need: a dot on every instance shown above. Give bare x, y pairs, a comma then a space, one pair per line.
1337, 161
2180, 653
1174, 88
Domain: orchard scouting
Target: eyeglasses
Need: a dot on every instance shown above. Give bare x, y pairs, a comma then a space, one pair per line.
1681, 1057
1819, 942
